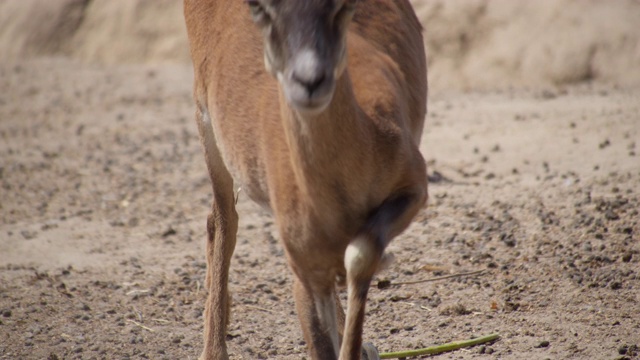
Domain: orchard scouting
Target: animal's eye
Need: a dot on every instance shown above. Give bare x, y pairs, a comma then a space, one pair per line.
258, 12
252, 3
345, 11
350, 4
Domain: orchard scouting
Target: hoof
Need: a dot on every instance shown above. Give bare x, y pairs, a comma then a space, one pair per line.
385, 262
369, 352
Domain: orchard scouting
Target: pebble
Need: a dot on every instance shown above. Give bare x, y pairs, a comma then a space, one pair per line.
611, 215
543, 344
177, 339
616, 285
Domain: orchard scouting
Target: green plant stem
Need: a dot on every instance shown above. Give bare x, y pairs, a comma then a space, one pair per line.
437, 349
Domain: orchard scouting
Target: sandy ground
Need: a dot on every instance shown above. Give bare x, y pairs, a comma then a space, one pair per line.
104, 197
104, 194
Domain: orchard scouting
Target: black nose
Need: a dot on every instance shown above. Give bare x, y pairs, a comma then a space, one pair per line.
311, 82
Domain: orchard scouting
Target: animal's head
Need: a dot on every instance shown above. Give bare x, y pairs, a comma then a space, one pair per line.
304, 46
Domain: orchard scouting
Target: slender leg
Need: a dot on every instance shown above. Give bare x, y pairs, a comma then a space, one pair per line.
369, 352
341, 316
362, 259
222, 225
317, 314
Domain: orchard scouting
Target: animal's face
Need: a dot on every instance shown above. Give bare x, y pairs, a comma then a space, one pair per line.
304, 46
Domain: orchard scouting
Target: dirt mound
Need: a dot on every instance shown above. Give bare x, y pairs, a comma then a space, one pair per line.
488, 43
108, 32
470, 44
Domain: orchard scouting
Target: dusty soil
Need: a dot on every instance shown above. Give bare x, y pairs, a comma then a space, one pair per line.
104, 196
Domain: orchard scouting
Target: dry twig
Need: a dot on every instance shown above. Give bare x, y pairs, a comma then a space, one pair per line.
140, 325
385, 283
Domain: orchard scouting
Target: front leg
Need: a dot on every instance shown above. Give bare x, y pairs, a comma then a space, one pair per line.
317, 307
220, 245
222, 226
362, 259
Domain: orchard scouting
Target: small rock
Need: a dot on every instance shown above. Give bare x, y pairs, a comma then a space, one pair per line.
177, 339
508, 239
548, 95
604, 144
383, 284
543, 344
28, 235
616, 285
611, 215
169, 232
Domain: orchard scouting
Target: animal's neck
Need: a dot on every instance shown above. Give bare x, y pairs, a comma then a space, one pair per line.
329, 147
